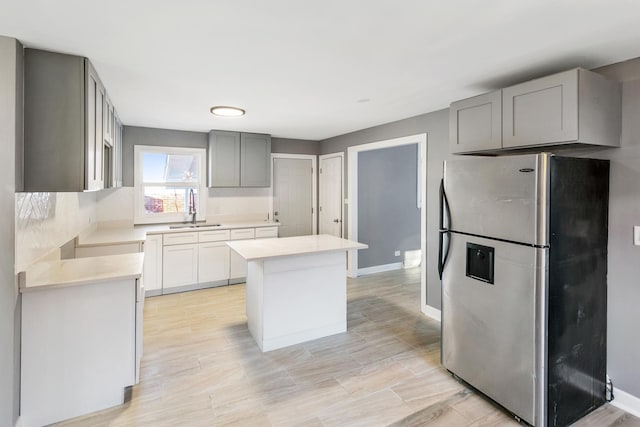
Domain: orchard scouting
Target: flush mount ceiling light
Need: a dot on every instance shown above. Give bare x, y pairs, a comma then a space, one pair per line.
226, 111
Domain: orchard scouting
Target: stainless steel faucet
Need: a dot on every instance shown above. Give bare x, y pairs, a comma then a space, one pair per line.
192, 206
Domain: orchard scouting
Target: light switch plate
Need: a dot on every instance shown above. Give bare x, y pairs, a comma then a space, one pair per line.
397, 253
636, 235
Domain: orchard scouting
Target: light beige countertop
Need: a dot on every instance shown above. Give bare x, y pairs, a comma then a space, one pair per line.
112, 236
260, 249
138, 233
81, 271
202, 226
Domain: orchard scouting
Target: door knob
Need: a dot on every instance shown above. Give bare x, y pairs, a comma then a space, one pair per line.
275, 213
336, 220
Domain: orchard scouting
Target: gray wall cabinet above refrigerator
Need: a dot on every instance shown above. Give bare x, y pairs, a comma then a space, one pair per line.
475, 124
572, 107
71, 136
239, 159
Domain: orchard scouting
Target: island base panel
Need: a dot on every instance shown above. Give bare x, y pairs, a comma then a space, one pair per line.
296, 299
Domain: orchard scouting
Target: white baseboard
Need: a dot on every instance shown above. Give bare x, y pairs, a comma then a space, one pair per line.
379, 268
431, 312
626, 401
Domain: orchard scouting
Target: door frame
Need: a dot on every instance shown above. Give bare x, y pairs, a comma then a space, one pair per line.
342, 198
314, 184
352, 199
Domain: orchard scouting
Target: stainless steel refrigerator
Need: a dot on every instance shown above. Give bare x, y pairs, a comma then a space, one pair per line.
523, 263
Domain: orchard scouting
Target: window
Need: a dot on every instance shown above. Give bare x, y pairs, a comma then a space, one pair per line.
168, 184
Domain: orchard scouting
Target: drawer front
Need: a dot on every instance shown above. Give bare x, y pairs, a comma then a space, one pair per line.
243, 233
265, 232
214, 236
179, 238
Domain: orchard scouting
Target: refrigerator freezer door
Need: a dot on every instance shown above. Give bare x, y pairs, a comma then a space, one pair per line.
489, 329
499, 197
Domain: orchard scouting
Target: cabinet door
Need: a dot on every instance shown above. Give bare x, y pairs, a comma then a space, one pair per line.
223, 161
94, 124
55, 133
266, 232
255, 160
213, 262
117, 154
541, 111
179, 266
108, 121
475, 124
152, 269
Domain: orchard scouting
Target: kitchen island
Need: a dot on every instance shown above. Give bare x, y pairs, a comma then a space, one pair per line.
296, 288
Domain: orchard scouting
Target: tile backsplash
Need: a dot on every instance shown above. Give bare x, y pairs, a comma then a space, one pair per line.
45, 221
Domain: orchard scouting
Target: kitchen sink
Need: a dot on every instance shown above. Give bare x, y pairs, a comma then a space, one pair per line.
173, 227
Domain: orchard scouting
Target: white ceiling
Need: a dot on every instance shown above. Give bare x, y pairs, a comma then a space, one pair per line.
302, 69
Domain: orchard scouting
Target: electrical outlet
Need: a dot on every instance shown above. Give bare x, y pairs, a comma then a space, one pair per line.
397, 253
636, 235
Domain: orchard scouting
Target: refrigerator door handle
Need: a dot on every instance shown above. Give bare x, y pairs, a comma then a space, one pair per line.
444, 209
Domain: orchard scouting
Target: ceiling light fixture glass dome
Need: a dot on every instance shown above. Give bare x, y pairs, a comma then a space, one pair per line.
227, 111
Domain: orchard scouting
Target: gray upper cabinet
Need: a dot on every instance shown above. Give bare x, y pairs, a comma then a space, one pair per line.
117, 151
239, 159
223, 163
255, 160
93, 142
475, 124
66, 146
575, 106
572, 107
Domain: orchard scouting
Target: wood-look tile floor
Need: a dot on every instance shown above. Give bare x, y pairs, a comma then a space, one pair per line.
201, 367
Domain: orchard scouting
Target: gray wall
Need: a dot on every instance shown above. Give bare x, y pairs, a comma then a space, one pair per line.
624, 212
436, 126
10, 139
133, 135
294, 146
388, 218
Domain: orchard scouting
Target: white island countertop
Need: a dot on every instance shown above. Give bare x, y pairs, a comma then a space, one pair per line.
81, 271
261, 249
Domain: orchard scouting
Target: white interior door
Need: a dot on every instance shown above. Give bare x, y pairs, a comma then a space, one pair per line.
292, 196
331, 195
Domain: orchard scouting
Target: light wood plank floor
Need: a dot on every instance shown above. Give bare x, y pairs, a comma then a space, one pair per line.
201, 367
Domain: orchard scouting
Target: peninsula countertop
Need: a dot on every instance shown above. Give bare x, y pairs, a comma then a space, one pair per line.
81, 271
261, 249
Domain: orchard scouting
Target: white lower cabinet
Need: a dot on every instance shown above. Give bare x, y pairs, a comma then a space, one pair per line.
176, 262
213, 262
80, 349
179, 267
152, 272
